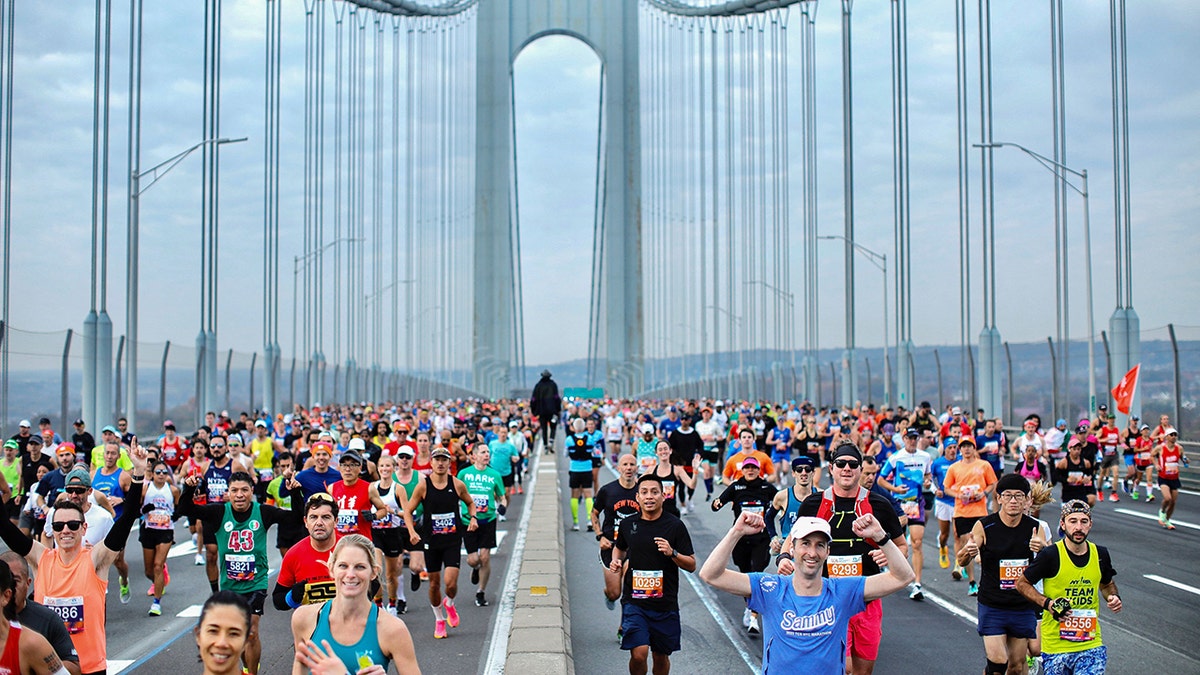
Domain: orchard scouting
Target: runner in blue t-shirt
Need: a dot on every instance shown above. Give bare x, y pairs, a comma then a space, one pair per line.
504, 456
905, 474
943, 505
805, 615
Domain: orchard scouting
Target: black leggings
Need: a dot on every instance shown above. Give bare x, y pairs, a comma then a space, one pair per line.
549, 425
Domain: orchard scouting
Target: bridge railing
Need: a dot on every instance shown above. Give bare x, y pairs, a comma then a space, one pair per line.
45, 379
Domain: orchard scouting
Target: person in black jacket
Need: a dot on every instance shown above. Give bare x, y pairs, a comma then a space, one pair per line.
546, 404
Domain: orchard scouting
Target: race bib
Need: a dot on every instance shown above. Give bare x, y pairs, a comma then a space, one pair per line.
844, 566
1010, 569
443, 523
239, 567
668, 489
70, 610
1079, 627
1143, 457
481, 502
911, 509
647, 584
347, 520
753, 509
266, 475
1075, 477
217, 490
159, 519
1170, 468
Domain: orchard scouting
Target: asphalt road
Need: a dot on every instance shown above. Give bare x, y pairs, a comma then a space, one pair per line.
1156, 631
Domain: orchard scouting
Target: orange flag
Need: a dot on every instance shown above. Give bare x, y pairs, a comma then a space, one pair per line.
1123, 392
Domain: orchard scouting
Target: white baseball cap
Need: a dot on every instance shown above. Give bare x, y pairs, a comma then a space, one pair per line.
806, 525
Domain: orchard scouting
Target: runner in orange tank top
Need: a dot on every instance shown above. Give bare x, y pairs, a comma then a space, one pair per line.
72, 580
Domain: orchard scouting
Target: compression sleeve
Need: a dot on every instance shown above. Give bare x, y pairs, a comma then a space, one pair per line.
119, 534
769, 519
18, 541
282, 597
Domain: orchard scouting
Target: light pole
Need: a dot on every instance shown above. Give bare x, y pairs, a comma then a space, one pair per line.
1057, 169
155, 174
880, 262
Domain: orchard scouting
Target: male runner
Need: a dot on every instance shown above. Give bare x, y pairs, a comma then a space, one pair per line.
356, 509
318, 477
579, 452
72, 579
851, 555
504, 457
240, 526
805, 615
304, 576
969, 481
287, 534
1167, 457
1075, 473
649, 551
786, 503
1143, 456
686, 447
262, 450
711, 433
615, 501
36, 616
439, 495
905, 474
1076, 575
1003, 542
487, 489
1109, 438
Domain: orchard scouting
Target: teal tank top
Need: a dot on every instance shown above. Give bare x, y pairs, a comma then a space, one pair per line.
359, 655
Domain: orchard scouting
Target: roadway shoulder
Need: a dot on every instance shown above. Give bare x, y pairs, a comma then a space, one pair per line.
539, 640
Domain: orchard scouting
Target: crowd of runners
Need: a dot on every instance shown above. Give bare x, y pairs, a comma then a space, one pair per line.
362, 496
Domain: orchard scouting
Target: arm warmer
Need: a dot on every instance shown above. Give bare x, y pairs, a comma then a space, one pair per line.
769, 519
283, 597
119, 534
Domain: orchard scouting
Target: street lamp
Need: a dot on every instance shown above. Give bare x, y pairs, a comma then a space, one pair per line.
1058, 169
155, 174
880, 262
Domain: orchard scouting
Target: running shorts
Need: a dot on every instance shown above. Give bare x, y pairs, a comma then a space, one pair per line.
752, 555
943, 511
390, 540
256, 599
1092, 661
483, 537
1015, 623
713, 457
642, 627
865, 632
151, 538
1172, 483
443, 556
580, 479
963, 525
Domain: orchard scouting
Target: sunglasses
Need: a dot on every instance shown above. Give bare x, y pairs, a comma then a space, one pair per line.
72, 525
214, 446
803, 469
843, 463
162, 472
322, 497
75, 491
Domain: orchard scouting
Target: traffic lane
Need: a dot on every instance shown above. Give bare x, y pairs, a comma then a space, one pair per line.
464, 651
1157, 624
705, 645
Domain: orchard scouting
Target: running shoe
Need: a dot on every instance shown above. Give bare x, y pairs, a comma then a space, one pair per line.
1134, 495
475, 576
391, 609
451, 614
1112, 496
166, 576
1170, 525
956, 573
199, 558
125, 593
439, 629
1162, 518
575, 527
415, 584
944, 557
753, 629
402, 607
150, 591
609, 603
1033, 665
915, 593
520, 490
1149, 497
589, 527
683, 510
973, 589
155, 609
480, 600
620, 635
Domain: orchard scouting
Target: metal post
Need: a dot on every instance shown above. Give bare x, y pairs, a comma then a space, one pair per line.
228, 364
131, 225
1054, 389
848, 375
833, 380
117, 380
1108, 363
253, 362
162, 384
292, 386
973, 393
867, 361
66, 354
1175, 370
937, 358
1008, 357
199, 382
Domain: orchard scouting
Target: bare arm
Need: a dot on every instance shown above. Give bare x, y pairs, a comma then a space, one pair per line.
397, 644
899, 573
970, 549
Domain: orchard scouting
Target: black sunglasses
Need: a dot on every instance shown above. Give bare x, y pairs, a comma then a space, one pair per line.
843, 463
73, 525
803, 469
323, 497
215, 445
75, 491
162, 472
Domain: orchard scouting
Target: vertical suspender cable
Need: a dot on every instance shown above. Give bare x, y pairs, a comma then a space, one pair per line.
964, 202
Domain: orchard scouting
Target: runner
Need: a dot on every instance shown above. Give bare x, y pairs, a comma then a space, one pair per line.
78, 490
241, 550
172, 446
504, 457
1109, 438
1004, 542
262, 452
214, 486
841, 504
286, 534
711, 434
647, 457
906, 474
304, 573
686, 452
1077, 574
1143, 458
596, 443
779, 439
615, 501
113, 482
72, 579
806, 616
349, 633
1075, 473
614, 434
157, 531
671, 476
439, 494
221, 632
317, 477
487, 490
1167, 457
648, 553
579, 452
37, 617
752, 553
786, 503
746, 448
23, 651
387, 532
970, 481
356, 508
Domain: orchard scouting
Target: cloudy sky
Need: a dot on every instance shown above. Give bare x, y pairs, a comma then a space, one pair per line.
556, 85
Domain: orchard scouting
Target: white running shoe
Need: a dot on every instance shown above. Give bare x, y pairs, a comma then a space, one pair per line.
753, 627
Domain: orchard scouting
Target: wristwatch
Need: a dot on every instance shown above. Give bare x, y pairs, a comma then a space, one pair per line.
599, 537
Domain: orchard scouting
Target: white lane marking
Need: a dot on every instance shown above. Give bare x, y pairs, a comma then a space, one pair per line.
706, 597
498, 645
190, 612
1149, 516
954, 609
117, 665
186, 548
1172, 583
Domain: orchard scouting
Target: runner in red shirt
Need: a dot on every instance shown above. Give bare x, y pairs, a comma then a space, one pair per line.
1168, 457
354, 504
304, 574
